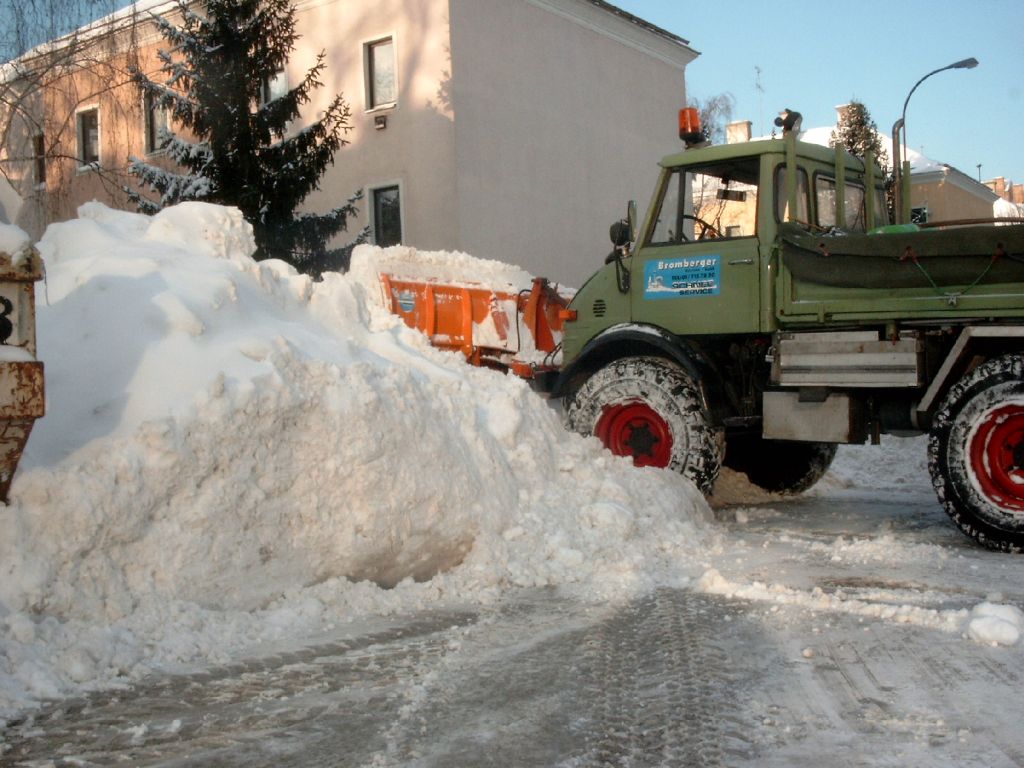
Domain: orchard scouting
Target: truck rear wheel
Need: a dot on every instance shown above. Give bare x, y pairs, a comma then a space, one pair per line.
976, 453
650, 409
779, 466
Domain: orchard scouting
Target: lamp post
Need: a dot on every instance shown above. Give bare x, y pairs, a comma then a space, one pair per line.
901, 172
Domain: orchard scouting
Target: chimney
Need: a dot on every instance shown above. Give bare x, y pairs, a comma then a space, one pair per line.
841, 111
737, 132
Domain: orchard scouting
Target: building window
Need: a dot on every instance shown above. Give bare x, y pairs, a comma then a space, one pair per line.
387, 216
157, 124
380, 73
919, 215
39, 158
89, 137
273, 87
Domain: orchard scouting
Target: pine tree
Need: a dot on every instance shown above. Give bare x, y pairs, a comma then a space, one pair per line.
857, 133
238, 151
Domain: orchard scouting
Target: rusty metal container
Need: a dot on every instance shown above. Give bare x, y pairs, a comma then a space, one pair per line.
22, 396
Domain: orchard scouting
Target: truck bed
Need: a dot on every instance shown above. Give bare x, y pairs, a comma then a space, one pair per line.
955, 272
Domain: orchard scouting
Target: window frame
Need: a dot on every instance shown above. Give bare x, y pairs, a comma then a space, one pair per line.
152, 138
370, 96
779, 200
670, 178
39, 159
678, 182
85, 164
862, 215
372, 210
267, 86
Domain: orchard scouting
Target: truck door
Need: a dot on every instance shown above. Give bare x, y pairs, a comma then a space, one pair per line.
697, 270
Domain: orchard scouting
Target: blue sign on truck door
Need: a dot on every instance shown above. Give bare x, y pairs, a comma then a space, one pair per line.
683, 277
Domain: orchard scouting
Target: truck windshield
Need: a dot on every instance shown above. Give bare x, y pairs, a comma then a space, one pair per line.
713, 201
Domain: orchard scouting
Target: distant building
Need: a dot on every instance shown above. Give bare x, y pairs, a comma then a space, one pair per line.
1007, 190
940, 192
514, 130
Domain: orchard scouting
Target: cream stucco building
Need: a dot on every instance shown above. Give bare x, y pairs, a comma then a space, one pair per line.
514, 130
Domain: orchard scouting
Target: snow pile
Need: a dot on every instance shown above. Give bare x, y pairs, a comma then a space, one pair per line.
996, 624
887, 548
948, 620
443, 267
14, 242
233, 453
897, 463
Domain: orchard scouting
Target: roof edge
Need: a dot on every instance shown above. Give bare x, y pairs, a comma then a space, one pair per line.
616, 11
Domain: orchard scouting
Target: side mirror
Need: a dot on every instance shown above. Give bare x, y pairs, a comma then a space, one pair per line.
622, 231
620, 234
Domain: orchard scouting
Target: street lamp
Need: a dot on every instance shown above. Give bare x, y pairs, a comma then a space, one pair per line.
901, 173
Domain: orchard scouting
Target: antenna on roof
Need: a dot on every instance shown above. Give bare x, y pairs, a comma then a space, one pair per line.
760, 100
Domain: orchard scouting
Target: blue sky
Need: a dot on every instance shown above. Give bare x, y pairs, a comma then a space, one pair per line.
814, 55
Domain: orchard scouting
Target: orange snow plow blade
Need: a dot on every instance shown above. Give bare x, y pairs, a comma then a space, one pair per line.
520, 332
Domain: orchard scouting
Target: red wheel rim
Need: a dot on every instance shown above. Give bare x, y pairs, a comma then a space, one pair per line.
635, 429
997, 456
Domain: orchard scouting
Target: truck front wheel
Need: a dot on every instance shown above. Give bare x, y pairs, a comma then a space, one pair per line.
650, 409
779, 466
976, 453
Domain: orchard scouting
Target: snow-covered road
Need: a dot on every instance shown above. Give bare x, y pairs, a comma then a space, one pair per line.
264, 523
811, 668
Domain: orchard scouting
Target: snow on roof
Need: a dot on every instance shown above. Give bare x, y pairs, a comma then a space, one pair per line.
99, 28
1005, 209
919, 163
145, 8
615, 10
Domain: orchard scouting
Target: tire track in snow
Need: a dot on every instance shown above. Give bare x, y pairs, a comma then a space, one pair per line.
537, 680
303, 707
659, 683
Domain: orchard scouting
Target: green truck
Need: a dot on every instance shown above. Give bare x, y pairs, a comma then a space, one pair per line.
766, 310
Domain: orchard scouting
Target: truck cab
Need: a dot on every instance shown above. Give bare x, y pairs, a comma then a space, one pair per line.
766, 311
706, 251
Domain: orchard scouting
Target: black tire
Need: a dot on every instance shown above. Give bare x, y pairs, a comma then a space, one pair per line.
976, 453
779, 466
650, 409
